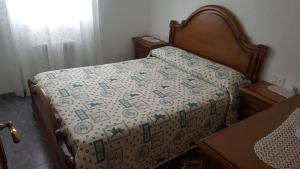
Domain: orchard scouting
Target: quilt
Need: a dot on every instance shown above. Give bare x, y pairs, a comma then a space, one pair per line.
219, 75
136, 114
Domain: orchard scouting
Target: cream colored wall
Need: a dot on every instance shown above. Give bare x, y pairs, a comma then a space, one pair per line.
275, 23
120, 21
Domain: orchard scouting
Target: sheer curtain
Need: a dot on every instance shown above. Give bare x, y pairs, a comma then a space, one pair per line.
44, 35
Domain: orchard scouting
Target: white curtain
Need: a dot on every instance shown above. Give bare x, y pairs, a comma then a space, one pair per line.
43, 35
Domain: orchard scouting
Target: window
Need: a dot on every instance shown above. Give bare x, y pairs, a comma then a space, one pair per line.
37, 14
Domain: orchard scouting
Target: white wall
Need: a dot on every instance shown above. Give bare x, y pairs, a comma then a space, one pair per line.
274, 23
120, 21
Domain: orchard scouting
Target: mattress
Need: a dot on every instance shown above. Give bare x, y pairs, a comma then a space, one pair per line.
139, 113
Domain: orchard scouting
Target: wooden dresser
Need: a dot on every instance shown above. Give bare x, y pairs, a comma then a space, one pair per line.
143, 47
233, 147
257, 97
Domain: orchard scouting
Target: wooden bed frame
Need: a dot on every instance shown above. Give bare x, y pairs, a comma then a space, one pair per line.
211, 32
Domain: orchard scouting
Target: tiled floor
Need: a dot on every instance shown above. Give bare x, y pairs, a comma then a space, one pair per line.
31, 152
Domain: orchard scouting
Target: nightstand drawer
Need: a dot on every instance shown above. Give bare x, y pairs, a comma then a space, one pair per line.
257, 97
141, 51
253, 105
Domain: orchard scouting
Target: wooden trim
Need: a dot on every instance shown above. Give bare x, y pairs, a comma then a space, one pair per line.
258, 96
214, 33
260, 89
44, 114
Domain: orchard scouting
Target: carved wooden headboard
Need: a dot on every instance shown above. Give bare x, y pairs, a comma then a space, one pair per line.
213, 32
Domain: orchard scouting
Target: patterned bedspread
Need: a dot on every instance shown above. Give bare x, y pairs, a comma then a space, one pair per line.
135, 114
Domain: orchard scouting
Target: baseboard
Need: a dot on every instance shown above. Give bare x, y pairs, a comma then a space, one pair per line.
8, 94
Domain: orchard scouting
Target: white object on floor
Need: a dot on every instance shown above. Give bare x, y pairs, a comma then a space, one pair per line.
281, 91
151, 39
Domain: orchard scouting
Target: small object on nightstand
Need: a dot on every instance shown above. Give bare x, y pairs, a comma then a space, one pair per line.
281, 91
143, 45
257, 97
151, 39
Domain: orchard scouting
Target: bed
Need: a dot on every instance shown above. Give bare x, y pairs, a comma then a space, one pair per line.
142, 113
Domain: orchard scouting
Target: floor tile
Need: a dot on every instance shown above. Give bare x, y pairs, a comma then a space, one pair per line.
32, 152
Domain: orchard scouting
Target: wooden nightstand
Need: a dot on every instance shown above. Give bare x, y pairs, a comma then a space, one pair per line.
257, 97
143, 47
